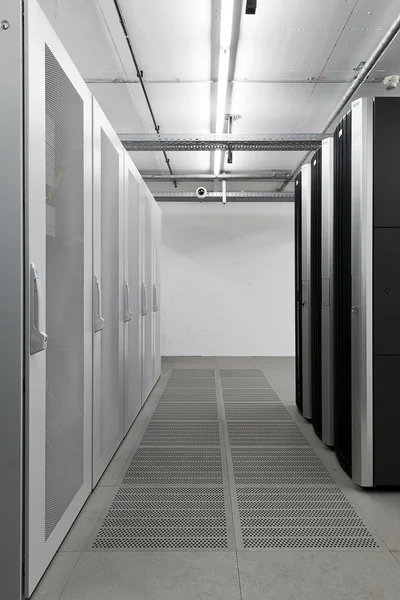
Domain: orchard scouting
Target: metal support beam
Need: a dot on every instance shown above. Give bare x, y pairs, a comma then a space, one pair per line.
222, 141
273, 175
230, 197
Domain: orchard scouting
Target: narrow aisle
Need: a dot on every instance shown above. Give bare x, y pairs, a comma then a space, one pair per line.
226, 499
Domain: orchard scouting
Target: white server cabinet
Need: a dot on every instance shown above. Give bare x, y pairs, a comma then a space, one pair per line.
108, 292
132, 300
58, 143
157, 231
147, 287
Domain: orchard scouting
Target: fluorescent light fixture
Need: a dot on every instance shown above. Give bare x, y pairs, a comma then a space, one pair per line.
223, 71
226, 23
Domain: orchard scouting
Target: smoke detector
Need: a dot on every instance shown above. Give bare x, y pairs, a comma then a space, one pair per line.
391, 82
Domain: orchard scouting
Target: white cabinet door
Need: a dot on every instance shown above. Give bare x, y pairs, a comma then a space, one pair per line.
58, 200
156, 291
108, 292
147, 286
132, 304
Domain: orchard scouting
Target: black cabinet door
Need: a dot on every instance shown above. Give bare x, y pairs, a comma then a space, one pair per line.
387, 291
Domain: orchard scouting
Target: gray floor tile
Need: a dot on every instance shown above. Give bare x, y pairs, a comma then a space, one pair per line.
305, 575
241, 373
382, 509
193, 373
56, 576
84, 524
397, 556
237, 362
200, 362
154, 576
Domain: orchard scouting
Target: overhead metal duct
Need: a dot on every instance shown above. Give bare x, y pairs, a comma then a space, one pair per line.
272, 175
221, 141
230, 197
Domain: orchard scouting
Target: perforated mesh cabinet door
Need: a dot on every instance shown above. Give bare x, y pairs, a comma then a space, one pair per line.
108, 162
59, 251
133, 332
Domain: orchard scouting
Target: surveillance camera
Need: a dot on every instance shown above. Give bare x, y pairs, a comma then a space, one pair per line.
391, 82
201, 192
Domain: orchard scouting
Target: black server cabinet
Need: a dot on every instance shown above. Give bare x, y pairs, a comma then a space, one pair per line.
386, 291
342, 292
303, 291
298, 278
367, 300
316, 292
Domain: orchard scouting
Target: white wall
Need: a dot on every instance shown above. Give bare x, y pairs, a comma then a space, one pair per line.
228, 279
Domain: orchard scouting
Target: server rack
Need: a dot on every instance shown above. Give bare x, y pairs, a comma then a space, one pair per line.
320, 291
303, 299
297, 260
326, 296
342, 292
369, 417
315, 292
48, 371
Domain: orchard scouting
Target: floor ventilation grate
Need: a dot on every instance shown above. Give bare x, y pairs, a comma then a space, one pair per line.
165, 518
252, 411
171, 433
245, 383
300, 517
265, 433
189, 396
175, 494
191, 411
174, 465
243, 395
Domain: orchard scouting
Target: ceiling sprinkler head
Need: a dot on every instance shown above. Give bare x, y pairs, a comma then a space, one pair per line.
391, 82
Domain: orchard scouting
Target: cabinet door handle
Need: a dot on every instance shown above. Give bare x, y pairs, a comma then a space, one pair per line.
98, 321
127, 312
145, 307
38, 338
156, 308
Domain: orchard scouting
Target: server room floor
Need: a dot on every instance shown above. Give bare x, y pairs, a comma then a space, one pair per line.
221, 491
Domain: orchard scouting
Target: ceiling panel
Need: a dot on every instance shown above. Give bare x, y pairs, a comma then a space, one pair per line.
171, 38
82, 30
319, 106
374, 14
268, 108
273, 54
289, 37
183, 108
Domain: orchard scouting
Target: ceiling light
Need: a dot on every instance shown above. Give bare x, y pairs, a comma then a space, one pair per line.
223, 72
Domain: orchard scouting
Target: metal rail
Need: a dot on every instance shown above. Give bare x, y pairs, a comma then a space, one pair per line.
272, 175
230, 197
222, 141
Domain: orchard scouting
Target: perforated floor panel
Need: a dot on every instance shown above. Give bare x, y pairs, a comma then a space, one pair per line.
266, 488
